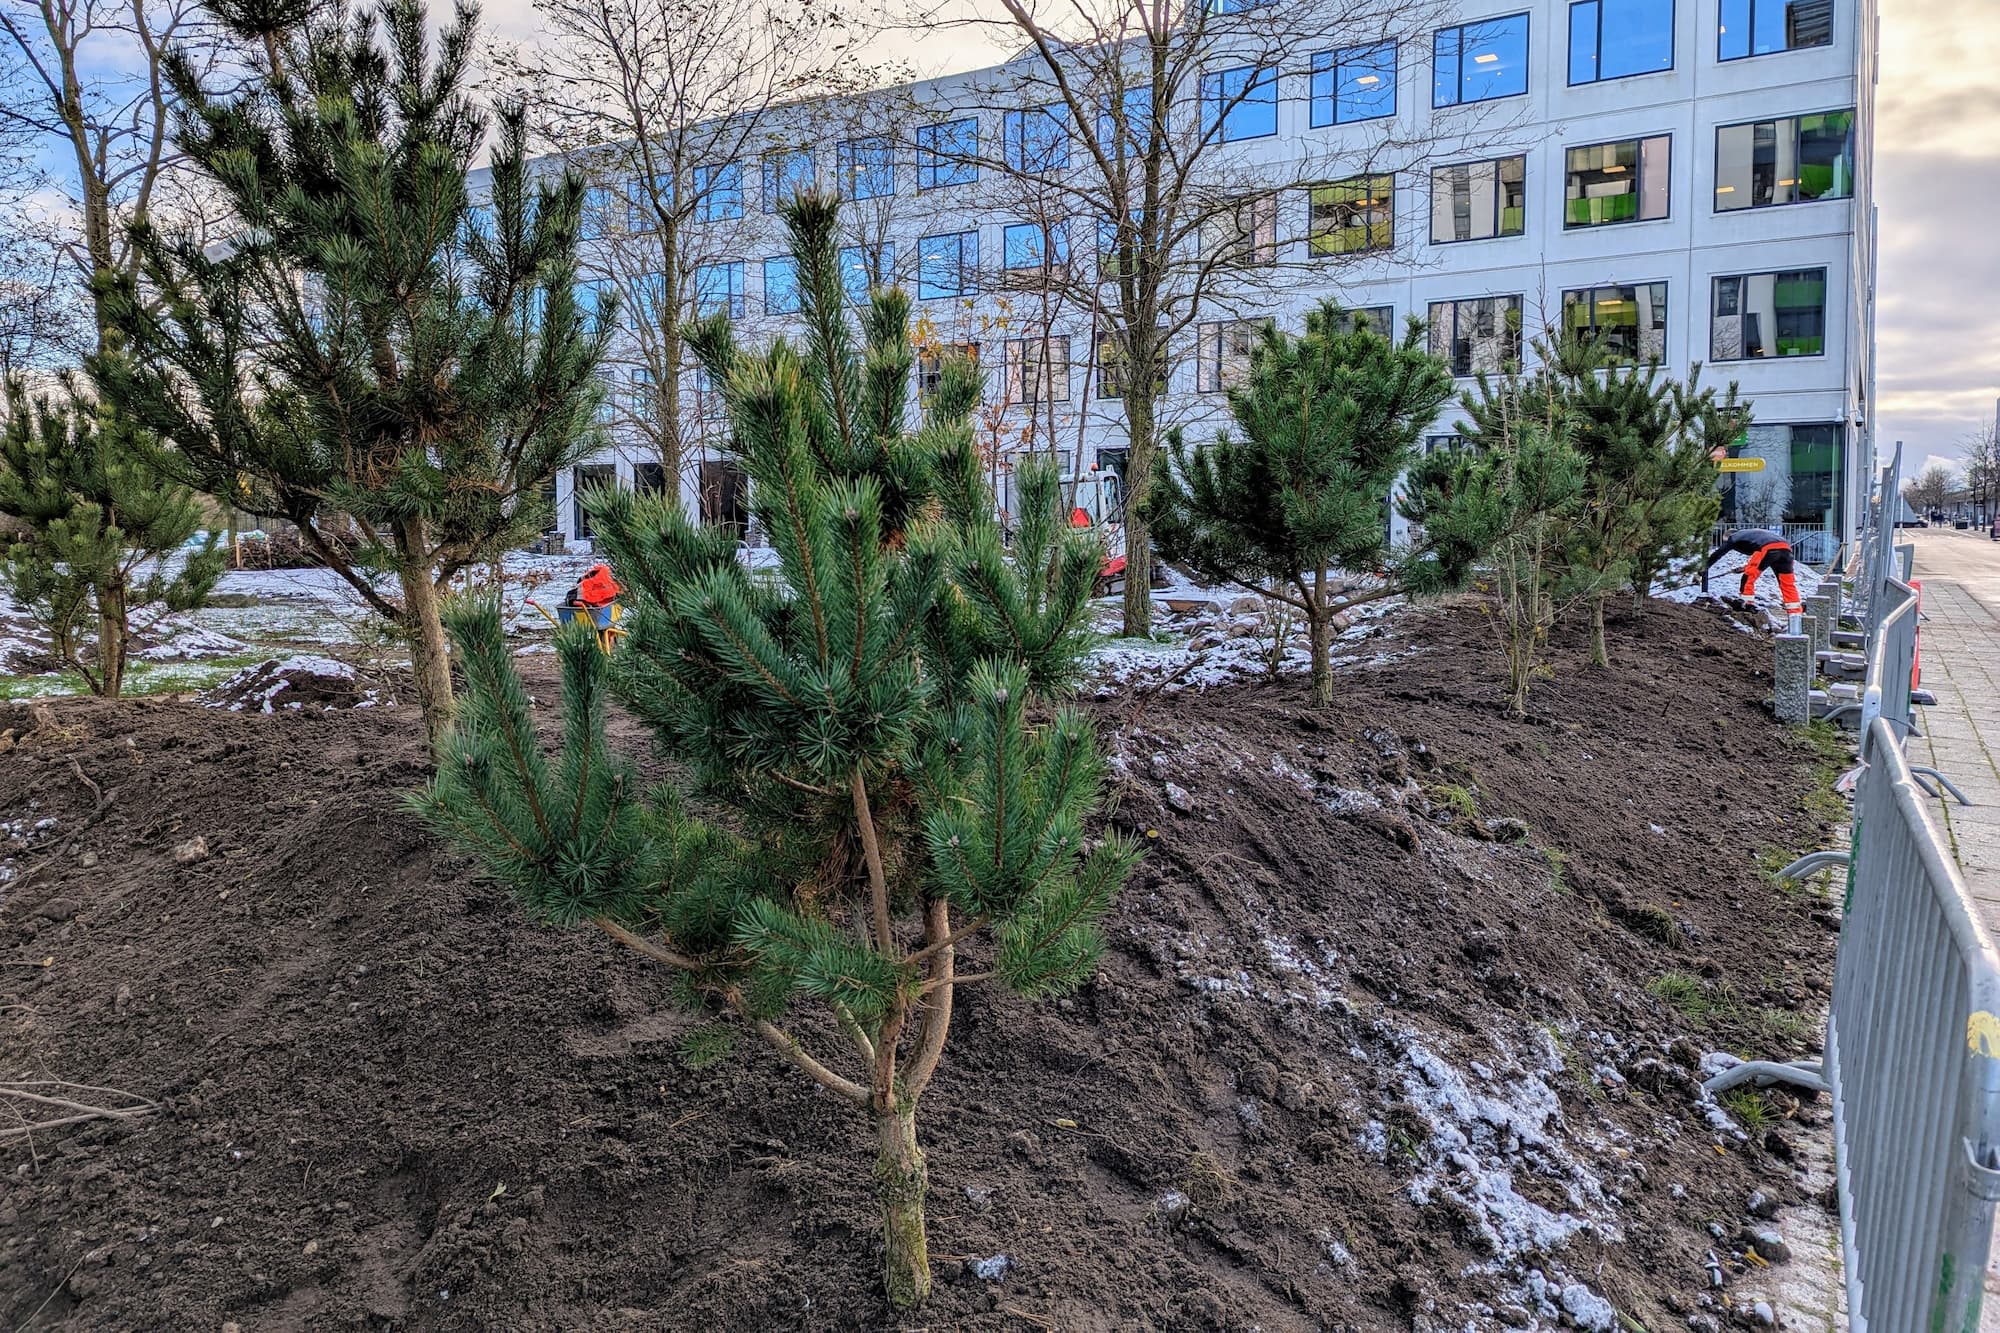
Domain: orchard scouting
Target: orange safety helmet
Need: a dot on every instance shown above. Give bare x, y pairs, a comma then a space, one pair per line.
598, 587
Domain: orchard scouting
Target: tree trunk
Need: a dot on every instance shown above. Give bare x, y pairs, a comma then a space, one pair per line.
1600, 654
424, 627
1138, 609
111, 638
900, 1182
1318, 625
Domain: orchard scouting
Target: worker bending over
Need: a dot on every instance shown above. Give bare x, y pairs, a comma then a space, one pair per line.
1765, 549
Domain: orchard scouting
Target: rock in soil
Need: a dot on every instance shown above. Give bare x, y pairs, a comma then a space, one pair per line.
1448, 1157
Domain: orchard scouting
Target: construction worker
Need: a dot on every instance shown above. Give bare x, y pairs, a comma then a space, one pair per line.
1765, 549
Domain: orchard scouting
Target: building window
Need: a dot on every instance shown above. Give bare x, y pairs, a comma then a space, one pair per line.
1244, 233
1038, 370
1036, 139
1476, 201
1443, 444
590, 294
867, 167
1240, 103
1755, 315
1035, 248
1799, 482
1109, 354
788, 173
1480, 61
1629, 322
1222, 352
640, 214
584, 479
781, 285
1481, 335
948, 265
931, 362
1762, 27
718, 191
1790, 161
1138, 121
1354, 83
1233, 6
948, 154
863, 267
1351, 216
719, 287
1617, 182
1615, 39
1373, 318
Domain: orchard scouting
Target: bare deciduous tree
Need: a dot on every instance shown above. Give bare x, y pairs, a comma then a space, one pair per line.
1120, 119
1931, 489
667, 106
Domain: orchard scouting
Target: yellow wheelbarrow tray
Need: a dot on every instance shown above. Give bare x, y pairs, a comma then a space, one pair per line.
608, 629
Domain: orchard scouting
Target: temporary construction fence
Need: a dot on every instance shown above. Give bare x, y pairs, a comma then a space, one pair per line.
1912, 1058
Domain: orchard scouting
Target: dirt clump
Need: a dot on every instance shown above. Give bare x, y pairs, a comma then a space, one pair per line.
1373, 1046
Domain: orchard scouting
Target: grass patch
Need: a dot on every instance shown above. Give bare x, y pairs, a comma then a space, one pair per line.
1461, 801
1558, 869
1747, 1107
1684, 992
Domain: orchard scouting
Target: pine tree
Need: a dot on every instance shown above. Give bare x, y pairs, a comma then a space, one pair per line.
102, 524
875, 784
1328, 422
1649, 485
366, 350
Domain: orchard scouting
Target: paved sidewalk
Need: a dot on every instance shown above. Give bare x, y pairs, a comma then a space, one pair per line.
1958, 645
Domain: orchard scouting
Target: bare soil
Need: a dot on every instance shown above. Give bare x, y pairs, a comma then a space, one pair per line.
1371, 1048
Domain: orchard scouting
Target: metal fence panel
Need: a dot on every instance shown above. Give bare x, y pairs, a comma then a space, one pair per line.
1913, 1057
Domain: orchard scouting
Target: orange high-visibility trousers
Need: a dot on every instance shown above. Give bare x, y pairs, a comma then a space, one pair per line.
1778, 556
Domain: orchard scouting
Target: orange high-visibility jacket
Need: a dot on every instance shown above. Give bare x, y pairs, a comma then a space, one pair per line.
598, 587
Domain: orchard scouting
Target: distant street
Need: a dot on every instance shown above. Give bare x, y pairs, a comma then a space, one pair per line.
1959, 648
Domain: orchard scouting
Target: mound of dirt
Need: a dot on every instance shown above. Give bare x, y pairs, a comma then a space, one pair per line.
291, 683
1372, 1046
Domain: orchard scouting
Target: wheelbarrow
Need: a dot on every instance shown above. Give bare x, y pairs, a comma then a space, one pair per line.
604, 618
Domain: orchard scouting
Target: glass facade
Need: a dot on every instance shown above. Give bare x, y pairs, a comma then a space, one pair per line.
1476, 201
1243, 234
1626, 181
719, 288
863, 267
718, 191
1240, 103
948, 265
1477, 62
1353, 83
948, 154
1616, 39
781, 285
1033, 246
1763, 27
1766, 163
1036, 139
1756, 315
1629, 322
1799, 483
1222, 352
786, 173
1351, 216
1479, 334
867, 168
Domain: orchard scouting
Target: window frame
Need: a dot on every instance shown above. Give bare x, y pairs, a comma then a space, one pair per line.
774, 162
797, 302
1569, 64
1854, 117
1253, 247
1055, 248
878, 266
706, 190
1751, 23
1209, 368
1015, 367
958, 158
930, 365
1331, 98
1314, 234
1519, 308
1014, 138
849, 168
1219, 106
1101, 369
735, 299
1639, 178
1666, 313
1527, 58
1825, 285
967, 267
1499, 207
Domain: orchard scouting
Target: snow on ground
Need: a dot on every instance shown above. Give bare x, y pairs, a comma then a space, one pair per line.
1682, 582
1221, 642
